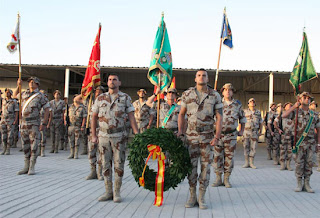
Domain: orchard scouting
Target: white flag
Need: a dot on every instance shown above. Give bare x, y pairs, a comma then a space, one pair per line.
13, 44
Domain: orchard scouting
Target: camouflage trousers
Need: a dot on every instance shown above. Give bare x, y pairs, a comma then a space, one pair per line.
276, 141
84, 138
112, 150
285, 149
56, 132
199, 148
224, 152
250, 145
304, 159
92, 153
15, 134
7, 130
30, 137
74, 136
269, 140
43, 140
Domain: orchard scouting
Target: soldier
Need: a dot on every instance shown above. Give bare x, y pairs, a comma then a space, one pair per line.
93, 147
276, 139
316, 155
224, 150
251, 134
267, 133
77, 116
111, 108
285, 128
142, 112
84, 136
32, 102
43, 140
9, 118
307, 122
58, 109
201, 104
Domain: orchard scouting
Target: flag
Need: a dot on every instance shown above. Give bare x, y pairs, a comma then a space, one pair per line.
226, 34
92, 76
161, 59
161, 94
173, 83
13, 44
303, 69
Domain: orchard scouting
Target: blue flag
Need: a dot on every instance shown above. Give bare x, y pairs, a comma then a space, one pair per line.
226, 33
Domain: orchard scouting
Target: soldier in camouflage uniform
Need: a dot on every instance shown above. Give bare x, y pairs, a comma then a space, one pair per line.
267, 133
111, 109
276, 139
316, 156
58, 109
201, 104
251, 134
142, 112
77, 116
43, 140
16, 129
306, 148
9, 117
93, 147
224, 151
84, 136
32, 102
285, 127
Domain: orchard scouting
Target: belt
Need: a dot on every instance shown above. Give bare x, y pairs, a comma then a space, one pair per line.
204, 128
30, 118
113, 130
228, 132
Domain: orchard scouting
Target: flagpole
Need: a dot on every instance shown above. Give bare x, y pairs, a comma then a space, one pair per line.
20, 70
89, 109
158, 100
217, 72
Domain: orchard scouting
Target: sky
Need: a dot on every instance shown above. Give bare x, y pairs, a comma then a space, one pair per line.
267, 35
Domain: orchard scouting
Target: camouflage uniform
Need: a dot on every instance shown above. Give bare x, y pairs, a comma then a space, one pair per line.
56, 127
224, 151
276, 139
172, 123
268, 134
76, 115
142, 113
9, 108
84, 137
200, 115
30, 134
112, 110
43, 141
251, 132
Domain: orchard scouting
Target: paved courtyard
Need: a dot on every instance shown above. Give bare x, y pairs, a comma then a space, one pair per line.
59, 189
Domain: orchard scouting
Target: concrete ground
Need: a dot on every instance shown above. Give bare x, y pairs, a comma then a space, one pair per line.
59, 189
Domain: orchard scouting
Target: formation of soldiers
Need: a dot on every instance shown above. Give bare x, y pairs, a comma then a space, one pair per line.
208, 124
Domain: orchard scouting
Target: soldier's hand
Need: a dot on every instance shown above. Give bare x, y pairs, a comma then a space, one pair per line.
280, 131
179, 134
19, 82
48, 126
297, 104
94, 139
214, 141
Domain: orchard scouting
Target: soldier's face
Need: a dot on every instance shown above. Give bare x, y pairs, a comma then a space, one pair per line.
287, 107
273, 107
305, 100
141, 94
97, 92
227, 93
201, 78
171, 96
33, 85
56, 95
113, 82
252, 104
8, 94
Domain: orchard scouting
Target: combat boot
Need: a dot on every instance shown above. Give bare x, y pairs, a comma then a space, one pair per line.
201, 201
116, 193
8, 150
307, 185
109, 194
275, 159
100, 176
42, 154
76, 152
299, 186
4, 149
226, 180
192, 199
71, 153
52, 149
251, 163
31, 168
282, 166
246, 163
218, 181
269, 155
288, 165
85, 150
93, 173
25, 168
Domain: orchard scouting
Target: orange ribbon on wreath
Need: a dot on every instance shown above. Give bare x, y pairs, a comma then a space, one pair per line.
156, 153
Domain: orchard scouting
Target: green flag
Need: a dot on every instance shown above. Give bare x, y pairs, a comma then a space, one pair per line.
303, 70
161, 59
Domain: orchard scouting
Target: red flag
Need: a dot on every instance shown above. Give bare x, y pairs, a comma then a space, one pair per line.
92, 76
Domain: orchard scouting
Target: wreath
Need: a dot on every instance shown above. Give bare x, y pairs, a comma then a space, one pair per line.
179, 167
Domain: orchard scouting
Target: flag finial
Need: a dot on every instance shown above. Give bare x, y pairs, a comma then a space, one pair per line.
162, 14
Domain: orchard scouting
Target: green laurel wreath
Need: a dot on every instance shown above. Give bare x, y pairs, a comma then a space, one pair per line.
175, 173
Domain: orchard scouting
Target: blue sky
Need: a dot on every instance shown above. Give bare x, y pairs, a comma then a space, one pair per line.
267, 35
